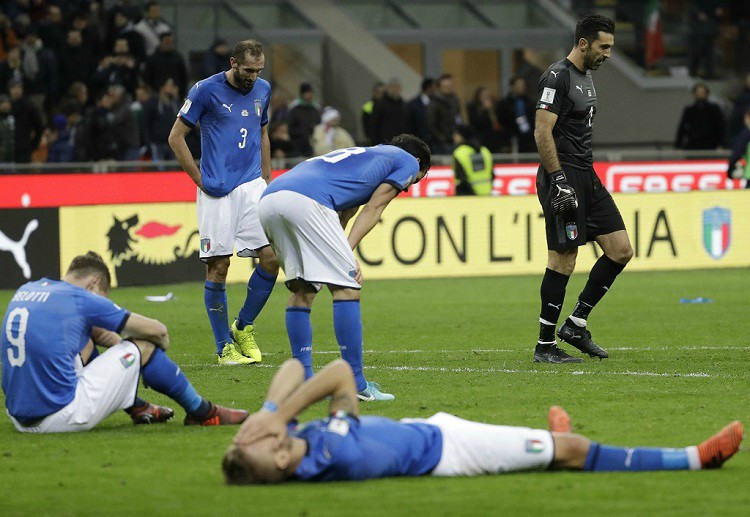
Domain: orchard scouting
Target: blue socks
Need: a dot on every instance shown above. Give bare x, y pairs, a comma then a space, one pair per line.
259, 288
163, 375
299, 329
603, 458
347, 324
215, 298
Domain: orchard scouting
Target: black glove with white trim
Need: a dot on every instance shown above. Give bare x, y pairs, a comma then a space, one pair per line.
564, 197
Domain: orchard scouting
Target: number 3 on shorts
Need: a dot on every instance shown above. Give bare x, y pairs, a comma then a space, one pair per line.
339, 154
19, 339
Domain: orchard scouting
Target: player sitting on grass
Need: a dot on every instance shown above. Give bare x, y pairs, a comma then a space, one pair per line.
346, 446
46, 327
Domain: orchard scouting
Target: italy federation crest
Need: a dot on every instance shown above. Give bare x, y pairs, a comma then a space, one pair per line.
205, 245
258, 107
717, 231
571, 230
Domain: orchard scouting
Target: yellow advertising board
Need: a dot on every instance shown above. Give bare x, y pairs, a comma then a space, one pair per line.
428, 237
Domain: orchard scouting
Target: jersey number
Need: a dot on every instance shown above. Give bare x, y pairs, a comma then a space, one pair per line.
243, 134
19, 339
338, 155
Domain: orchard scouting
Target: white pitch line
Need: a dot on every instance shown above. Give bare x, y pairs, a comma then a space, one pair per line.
443, 369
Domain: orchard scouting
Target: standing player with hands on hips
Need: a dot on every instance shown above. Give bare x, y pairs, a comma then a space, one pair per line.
232, 109
577, 207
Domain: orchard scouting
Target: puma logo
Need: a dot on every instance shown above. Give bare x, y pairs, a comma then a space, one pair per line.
629, 458
554, 73
579, 88
228, 107
18, 249
555, 306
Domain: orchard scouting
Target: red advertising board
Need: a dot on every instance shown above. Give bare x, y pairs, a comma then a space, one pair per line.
50, 190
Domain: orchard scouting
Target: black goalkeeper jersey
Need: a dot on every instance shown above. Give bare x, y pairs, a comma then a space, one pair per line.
570, 94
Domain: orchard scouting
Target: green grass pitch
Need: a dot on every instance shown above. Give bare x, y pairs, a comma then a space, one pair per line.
676, 374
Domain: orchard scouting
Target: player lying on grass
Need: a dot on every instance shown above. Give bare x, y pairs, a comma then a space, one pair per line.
346, 446
49, 323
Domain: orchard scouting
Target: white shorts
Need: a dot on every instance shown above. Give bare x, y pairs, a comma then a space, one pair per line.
105, 385
308, 240
473, 448
231, 222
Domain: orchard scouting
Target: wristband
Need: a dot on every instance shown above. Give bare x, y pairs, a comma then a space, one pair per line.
270, 406
558, 176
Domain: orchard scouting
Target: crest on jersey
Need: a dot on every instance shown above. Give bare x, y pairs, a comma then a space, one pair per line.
258, 107
571, 230
717, 230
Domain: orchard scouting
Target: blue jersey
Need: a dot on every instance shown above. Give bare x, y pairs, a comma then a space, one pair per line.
231, 124
370, 447
347, 177
48, 322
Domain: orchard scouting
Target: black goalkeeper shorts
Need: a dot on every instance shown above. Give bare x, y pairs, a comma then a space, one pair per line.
597, 213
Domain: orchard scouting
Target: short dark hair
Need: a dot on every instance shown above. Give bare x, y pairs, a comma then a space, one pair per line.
415, 147
247, 46
701, 84
427, 83
91, 264
590, 25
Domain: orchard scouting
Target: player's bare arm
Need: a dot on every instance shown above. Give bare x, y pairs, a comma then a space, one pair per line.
104, 337
182, 153
149, 329
371, 212
265, 154
346, 215
545, 142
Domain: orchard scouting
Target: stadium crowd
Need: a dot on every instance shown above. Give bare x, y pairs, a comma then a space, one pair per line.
82, 83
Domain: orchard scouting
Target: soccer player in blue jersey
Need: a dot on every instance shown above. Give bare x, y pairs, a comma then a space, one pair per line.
346, 446
232, 109
305, 211
48, 327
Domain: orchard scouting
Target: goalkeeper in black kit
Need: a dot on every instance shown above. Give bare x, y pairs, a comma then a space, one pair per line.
577, 207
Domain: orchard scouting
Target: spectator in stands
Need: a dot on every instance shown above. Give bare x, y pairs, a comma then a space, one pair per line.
52, 29
281, 145
215, 59
41, 71
516, 115
10, 69
59, 145
100, 131
368, 122
77, 61
8, 37
279, 106
416, 111
152, 27
7, 131
125, 125
78, 92
443, 115
705, 23
166, 63
741, 105
482, 114
702, 123
304, 115
120, 67
472, 164
122, 27
741, 152
328, 135
389, 113
89, 32
28, 120
159, 113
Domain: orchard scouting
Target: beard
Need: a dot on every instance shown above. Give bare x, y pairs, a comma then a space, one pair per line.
591, 62
244, 84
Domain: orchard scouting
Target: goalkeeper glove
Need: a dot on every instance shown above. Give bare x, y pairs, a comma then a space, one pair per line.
564, 196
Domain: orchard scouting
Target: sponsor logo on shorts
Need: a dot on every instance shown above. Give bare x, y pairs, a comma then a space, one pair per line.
571, 230
127, 360
534, 446
717, 228
258, 107
205, 245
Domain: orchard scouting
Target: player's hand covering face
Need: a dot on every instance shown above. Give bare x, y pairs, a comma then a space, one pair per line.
259, 425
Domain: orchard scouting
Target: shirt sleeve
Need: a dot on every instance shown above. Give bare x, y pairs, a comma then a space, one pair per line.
553, 88
266, 102
404, 174
104, 313
194, 106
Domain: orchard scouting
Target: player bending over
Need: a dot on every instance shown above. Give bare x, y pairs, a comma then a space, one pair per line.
304, 214
47, 326
346, 446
